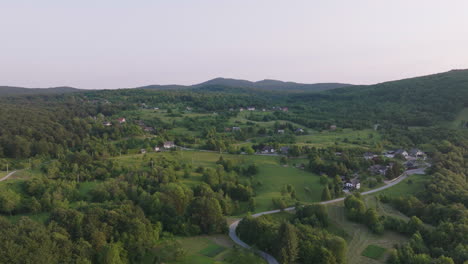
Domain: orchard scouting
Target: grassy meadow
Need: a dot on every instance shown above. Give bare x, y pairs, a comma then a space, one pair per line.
272, 176
359, 237
215, 249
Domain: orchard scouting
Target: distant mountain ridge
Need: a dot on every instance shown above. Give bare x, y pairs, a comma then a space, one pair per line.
267, 85
12, 90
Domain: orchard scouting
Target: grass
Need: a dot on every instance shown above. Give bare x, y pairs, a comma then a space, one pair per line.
373, 252
85, 187
358, 236
365, 137
460, 120
412, 185
40, 217
272, 175
214, 249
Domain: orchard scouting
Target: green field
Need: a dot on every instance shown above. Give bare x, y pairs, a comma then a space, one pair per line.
359, 237
212, 250
460, 120
272, 175
216, 249
373, 252
347, 137
409, 186
85, 187
40, 217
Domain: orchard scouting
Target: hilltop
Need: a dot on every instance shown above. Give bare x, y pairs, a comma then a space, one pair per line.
267, 85
11, 90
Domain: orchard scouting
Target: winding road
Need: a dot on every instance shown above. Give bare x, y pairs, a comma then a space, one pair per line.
269, 258
7, 176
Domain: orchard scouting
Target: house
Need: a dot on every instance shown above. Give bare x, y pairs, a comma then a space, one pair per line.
236, 128
107, 124
263, 109
389, 154
241, 109
267, 150
227, 129
142, 151
299, 130
402, 152
251, 108
121, 120
410, 165
369, 155
169, 145
156, 108
148, 129
284, 109
378, 169
157, 149
333, 127
351, 184
284, 150
356, 184
188, 108
416, 153
280, 131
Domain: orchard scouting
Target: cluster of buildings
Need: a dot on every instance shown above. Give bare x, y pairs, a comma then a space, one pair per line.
119, 120
271, 150
168, 145
252, 108
351, 184
145, 127
412, 154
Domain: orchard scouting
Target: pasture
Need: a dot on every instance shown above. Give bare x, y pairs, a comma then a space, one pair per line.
359, 237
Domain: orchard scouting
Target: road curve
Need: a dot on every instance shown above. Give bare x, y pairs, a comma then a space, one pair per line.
269, 258
7, 176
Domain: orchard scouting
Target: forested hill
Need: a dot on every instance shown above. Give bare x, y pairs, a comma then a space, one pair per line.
274, 85
10, 90
419, 101
264, 85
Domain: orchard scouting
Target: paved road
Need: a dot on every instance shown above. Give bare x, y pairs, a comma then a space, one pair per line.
8, 175
269, 258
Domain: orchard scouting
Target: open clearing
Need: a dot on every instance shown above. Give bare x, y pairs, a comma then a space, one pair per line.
346, 137
373, 252
213, 249
359, 236
272, 176
409, 186
461, 119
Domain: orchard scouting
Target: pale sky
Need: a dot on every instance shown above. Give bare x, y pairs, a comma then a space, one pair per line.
114, 43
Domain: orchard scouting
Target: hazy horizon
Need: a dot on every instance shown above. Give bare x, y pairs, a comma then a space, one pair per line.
119, 44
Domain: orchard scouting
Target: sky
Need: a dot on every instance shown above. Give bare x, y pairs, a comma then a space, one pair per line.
109, 44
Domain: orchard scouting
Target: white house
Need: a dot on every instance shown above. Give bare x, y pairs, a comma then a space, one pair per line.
280, 131
157, 149
267, 150
169, 144
251, 108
